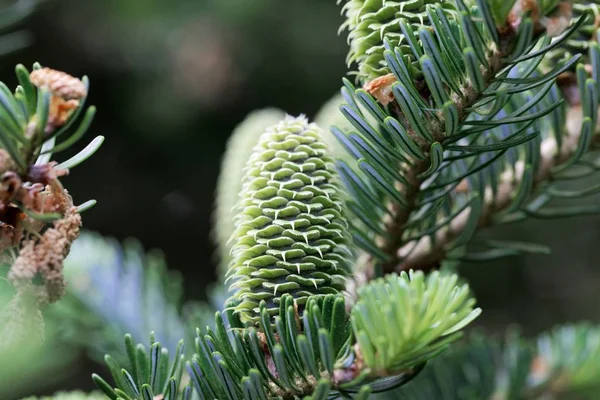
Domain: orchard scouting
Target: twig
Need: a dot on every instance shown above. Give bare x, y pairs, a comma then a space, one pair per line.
399, 215
424, 253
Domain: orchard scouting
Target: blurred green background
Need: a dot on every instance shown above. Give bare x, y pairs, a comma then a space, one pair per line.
172, 78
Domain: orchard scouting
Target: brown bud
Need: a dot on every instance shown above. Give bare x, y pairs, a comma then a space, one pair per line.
381, 88
66, 92
60, 111
59, 83
45, 173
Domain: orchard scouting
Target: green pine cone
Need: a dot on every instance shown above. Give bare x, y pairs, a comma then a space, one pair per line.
239, 148
291, 233
369, 21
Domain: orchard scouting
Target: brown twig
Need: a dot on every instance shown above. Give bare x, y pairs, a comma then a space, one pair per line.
399, 214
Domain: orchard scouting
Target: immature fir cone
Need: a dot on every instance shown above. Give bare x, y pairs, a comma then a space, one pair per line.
291, 233
368, 21
239, 148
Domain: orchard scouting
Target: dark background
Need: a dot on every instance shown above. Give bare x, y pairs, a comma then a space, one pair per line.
172, 78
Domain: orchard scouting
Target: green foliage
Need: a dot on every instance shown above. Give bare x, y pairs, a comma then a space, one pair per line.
30, 129
150, 373
116, 289
480, 368
292, 358
291, 234
490, 131
500, 9
238, 150
460, 124
402, 321
298, 353
26, 135
377, 26
562, 364
288, 358
331, 119
569, 360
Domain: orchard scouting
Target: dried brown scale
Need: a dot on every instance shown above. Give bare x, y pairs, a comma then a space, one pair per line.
60, 112
381, 88
58, 83
10, 185
306, 388
553, 24
44, 258
399, 214
43, 193
66, 92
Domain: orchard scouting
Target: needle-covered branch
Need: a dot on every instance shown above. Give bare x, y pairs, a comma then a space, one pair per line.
467, 125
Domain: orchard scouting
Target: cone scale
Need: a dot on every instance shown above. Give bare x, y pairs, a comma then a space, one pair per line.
291, 234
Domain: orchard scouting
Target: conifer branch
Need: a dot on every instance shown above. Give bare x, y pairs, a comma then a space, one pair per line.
426, 253
423, 255
432, 107
414, 176
469, 113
